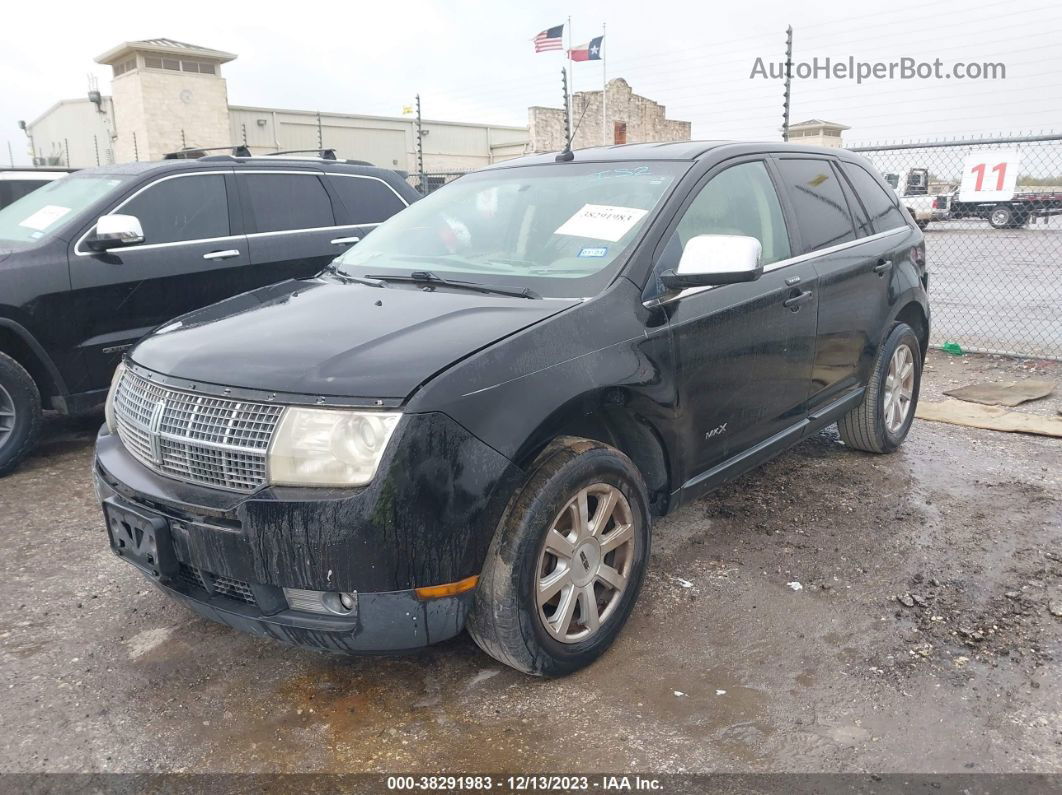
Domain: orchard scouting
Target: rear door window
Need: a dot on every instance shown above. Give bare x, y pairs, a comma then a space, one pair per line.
881, 205
366, 200
859, 214
181, 209
818, 202
288, 202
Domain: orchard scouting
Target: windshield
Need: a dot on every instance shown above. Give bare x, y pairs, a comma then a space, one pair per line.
559, 230
47, 208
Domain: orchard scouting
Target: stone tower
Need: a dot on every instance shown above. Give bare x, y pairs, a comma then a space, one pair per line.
167, 95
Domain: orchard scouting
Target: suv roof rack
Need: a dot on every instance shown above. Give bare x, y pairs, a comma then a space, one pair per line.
195, 152
324, 154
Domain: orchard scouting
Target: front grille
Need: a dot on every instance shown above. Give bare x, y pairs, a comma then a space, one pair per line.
215, 584
197, 438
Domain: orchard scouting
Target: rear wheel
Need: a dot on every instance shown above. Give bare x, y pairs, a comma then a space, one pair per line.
880, 423
20, 413
567, 562
1005, 217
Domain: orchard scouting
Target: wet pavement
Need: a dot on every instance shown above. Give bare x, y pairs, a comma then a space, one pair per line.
997, 290
725, 665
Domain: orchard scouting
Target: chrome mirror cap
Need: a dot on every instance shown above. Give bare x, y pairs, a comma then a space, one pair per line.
116, 230
716, 259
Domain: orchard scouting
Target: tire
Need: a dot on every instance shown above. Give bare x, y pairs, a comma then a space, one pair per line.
506, 620
1001, 217
20, 413
866, 427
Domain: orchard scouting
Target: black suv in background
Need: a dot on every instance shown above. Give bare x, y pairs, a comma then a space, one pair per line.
472, 417
91, 262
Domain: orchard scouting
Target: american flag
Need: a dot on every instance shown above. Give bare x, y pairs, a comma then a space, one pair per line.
550, 39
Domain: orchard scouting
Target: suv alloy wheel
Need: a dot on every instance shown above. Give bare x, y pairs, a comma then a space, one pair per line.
567, 561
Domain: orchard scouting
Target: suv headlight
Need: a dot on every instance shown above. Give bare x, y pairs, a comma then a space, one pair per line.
328, 447
108, 407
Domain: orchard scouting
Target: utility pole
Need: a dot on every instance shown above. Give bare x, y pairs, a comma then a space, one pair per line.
320, 136
10, 155
243, 129
568, 114
96, 146
788, 81
66, 151
421, 177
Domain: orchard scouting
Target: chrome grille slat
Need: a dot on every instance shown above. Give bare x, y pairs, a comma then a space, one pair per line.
203, 439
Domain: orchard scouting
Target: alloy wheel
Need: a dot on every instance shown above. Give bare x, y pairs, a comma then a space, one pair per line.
585, 564
7, 415
899, 388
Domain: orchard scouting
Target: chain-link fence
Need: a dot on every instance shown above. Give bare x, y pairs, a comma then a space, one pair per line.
433, 180
992, 209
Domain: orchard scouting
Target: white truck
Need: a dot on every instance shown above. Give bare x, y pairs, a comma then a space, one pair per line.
912, 186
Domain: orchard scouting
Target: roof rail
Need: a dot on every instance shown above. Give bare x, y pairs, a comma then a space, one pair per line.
324, 154
195, 152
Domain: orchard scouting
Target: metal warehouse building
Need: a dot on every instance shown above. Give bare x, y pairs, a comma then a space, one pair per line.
167, 95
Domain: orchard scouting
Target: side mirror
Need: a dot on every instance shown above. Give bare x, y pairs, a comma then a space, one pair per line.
716, 259
116, 230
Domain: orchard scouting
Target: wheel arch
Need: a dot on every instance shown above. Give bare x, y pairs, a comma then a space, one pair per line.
606, 416
914, 315
17, 342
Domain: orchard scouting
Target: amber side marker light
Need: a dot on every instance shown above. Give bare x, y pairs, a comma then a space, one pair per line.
450, 589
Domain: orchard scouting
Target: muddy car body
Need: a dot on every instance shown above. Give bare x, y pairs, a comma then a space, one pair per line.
518, 417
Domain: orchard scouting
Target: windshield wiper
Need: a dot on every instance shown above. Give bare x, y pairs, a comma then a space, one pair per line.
350, 278
427, 277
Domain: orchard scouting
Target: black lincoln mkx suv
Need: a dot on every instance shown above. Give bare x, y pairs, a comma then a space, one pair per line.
471, 418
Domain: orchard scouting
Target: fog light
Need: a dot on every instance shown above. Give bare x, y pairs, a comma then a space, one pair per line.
322, 602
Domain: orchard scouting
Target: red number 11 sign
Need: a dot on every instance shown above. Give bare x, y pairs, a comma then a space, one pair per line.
989, 176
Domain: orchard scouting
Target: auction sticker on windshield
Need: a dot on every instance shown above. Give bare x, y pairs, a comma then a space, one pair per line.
44, 217
601, 222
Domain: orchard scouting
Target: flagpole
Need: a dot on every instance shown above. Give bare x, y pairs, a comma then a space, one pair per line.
571, 75
604, 92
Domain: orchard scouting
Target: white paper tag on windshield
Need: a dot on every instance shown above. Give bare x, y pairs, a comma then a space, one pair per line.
44, 217
601, 222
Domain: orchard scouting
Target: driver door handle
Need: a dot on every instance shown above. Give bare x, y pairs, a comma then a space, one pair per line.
883, 266
345, 241
226, 254
795, 302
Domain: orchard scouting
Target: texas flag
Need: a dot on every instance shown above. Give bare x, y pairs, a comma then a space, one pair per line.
587, 52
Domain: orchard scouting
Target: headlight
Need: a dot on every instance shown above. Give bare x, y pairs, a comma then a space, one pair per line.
328, 447
108, 407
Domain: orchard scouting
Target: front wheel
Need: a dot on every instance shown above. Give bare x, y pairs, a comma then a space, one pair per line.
880, 423
20, 413
567, 562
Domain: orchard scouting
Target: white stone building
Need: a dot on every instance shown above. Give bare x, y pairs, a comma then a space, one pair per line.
630, 118
167, 95
816, 132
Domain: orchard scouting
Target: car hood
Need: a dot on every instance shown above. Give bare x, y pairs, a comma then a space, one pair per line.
320, 337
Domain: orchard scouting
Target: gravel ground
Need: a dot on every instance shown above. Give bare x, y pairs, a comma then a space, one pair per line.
920, 638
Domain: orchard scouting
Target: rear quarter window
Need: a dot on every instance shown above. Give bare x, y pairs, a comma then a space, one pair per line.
366, 200
882, 206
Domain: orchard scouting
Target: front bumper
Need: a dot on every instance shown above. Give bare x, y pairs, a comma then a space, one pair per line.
427, 519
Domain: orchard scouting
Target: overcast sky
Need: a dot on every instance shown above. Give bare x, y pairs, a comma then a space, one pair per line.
474, 61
